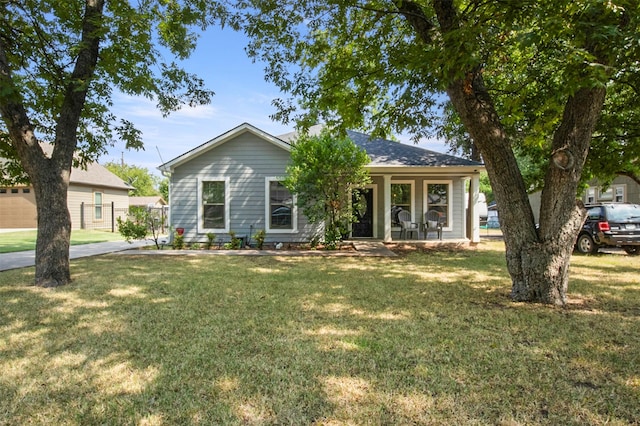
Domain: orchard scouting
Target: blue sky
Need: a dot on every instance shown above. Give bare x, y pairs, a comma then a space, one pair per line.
241, 95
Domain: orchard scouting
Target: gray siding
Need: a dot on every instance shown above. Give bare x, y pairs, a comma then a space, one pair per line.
247, 161
457, 230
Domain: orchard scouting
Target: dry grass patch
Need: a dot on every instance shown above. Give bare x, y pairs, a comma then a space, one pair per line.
427, 338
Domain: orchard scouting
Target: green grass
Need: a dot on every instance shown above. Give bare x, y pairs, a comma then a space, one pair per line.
26, 240
421, 339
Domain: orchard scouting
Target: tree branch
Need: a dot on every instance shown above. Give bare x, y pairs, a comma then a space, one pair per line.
416, 17
78, 85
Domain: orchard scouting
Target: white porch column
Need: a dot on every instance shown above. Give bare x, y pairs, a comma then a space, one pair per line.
474, 189
387, 207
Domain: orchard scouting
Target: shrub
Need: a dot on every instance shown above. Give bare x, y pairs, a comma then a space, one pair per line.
178, 241
260, 236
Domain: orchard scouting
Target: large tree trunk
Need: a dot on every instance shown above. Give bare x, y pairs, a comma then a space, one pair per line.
54, 229
50, 175
537, 258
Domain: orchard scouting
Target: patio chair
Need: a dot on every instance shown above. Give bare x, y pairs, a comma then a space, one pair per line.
406, 226
432, 223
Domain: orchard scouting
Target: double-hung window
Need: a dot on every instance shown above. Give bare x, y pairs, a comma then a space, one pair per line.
214, 205
402, 197
280, 207
438, 198
97, 206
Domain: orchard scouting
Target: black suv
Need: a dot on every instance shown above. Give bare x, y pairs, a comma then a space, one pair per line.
610, 225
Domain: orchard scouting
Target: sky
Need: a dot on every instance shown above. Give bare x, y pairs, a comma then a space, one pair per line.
241, 95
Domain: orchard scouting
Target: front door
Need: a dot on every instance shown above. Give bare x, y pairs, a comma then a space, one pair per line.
363, 228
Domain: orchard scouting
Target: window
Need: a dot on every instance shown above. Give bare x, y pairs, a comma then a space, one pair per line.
591, 195
14, 190
3, 190
280, 208
97, 206
606, 195
438, 198
401, 199
214, 205
618, 193
26, 190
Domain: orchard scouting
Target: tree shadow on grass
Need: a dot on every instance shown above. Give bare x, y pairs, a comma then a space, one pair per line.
138, 339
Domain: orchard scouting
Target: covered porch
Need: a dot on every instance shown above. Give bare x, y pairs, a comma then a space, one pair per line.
421, 196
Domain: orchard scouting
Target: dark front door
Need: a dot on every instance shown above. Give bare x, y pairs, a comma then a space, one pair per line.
363, 228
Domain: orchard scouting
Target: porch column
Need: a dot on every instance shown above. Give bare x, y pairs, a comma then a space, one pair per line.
387, 207
474, 189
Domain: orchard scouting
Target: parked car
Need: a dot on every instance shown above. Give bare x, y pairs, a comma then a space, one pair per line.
610, 225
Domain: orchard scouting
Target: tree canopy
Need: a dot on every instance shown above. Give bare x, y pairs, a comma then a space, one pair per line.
143, 182
326, 173
524, 78
61, 63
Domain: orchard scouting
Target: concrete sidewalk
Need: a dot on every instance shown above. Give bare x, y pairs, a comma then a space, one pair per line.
23, 259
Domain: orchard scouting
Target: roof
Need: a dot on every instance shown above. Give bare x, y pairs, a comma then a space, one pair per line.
219, 140
145, 201
387, 153
93, 175
384, 152
97, 175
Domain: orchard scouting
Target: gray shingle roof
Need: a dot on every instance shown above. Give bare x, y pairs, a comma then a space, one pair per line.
97, 175
384, 152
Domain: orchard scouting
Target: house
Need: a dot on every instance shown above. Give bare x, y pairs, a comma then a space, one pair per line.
233, 183
622, 189
94, 198
153, 201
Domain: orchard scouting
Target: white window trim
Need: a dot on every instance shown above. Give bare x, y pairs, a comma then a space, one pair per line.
267, 211
227, 205
413, 197
623, 187
95, 206
425, 198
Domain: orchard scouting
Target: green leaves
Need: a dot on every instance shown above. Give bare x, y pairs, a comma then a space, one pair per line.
42, 40
324, 173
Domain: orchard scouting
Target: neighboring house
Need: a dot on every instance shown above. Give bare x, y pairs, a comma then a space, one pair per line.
154, 201
623, 189
94, 195
233, 183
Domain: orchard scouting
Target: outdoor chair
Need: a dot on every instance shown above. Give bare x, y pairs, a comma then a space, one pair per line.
406, 226
432, 223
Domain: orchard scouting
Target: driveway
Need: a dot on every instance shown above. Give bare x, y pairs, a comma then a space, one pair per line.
23, 259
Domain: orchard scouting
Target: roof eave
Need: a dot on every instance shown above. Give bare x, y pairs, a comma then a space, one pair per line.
429, 170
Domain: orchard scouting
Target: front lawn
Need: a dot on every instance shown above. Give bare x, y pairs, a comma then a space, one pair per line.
420, 339
26, 240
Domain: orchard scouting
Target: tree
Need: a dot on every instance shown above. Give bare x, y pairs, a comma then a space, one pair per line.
60, 63
326, 173
141, 179
141, 223
385, 65
163, 187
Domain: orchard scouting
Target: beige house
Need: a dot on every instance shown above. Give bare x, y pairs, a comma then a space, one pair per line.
95, 198
623, 189
153, 201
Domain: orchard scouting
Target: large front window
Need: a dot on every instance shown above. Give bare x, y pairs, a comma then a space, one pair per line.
401, 199
280, 207
213, 205
438, 198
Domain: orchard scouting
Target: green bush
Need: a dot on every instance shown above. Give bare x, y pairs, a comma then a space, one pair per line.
178, 241
260, 236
